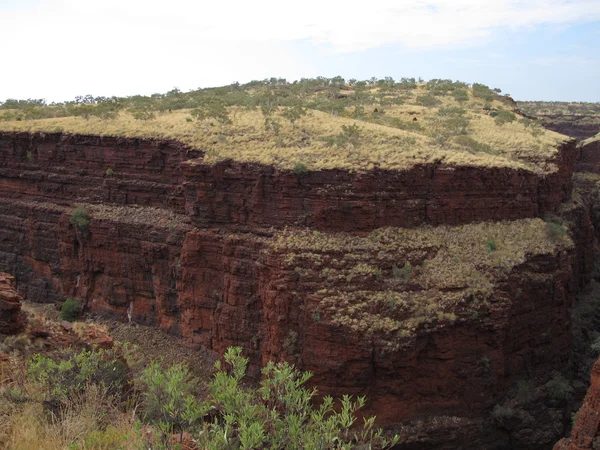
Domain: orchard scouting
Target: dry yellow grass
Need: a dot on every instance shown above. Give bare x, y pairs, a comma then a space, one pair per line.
382, 146
82, 426
394, 281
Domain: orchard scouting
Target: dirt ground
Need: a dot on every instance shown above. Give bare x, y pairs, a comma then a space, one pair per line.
151, 343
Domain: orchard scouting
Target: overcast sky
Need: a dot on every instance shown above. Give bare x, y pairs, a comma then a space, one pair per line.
531, 49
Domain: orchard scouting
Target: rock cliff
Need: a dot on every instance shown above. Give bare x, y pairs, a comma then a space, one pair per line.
586, 430
11, 318
428, 322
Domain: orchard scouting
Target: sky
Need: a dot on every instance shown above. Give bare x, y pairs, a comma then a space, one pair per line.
531, 49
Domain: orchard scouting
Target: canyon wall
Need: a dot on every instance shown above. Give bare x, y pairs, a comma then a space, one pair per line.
586, 430
190, 248
166, 174
579, 127
588, 159
12, 319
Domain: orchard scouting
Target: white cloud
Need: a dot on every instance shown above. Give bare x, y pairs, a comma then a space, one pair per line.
65, 47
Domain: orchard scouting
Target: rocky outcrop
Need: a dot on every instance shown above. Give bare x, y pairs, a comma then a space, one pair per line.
588, 159
12, 320
167, 174
586, 430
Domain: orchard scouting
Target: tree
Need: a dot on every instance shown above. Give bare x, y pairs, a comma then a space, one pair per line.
294, 113
212, 108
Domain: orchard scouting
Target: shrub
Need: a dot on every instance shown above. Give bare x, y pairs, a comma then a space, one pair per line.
65, 374
490, 245
143, 113
109, 172
460, 95
80, 218
279, 414
169, 399
503, 116
428, 101
484, 92
402, 273
349, 136
555, 230
559, 387
501, 414
70, 310
300, 169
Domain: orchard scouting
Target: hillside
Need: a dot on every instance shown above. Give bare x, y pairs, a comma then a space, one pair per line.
316, 124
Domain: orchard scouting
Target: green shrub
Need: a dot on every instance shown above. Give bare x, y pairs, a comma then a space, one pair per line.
490, 245
281, 413
402, 273
460, 95
555, 230
70, 310
169, 399
65, 374
349, 136
559, 387
109, 172
80, 218
503, 116
428, 101
484, 92
300, 168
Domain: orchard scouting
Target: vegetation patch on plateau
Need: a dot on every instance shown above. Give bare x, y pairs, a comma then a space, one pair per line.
394, 281
315, 124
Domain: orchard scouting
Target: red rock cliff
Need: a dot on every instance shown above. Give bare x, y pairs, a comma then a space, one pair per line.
189, 248
586, 431
11, 318
64, 168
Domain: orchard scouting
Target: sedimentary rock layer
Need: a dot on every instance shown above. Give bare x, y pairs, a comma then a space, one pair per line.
166, 174
220, 288
203, 252
588, 159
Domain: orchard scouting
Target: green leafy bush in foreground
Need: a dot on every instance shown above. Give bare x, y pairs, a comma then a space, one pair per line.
91, 399
279, 414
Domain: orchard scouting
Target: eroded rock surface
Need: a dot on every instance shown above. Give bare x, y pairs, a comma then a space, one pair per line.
220, 256
11, 317
586, 431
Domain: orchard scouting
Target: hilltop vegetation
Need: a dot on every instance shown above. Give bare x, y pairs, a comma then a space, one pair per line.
313, 124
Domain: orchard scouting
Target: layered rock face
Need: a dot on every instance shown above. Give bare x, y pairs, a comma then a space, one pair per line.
578, 126
589, 157
203, 252
12, 320
153, 173
586, 431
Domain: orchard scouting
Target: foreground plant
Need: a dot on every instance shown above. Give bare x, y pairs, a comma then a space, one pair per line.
280, 413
